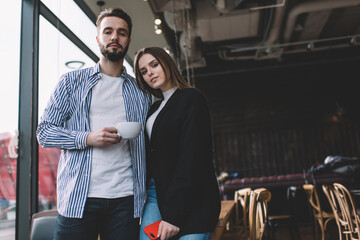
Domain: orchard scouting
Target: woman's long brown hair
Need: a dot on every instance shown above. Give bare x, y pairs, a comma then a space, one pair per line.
168, 65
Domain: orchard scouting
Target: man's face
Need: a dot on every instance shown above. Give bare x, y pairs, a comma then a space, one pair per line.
113, 38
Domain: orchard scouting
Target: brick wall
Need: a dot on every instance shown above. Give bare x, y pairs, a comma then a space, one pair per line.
281, 121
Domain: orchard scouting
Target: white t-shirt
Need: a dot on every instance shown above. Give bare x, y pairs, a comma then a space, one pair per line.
111, 166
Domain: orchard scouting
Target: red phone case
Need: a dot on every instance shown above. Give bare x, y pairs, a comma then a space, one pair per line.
152, 230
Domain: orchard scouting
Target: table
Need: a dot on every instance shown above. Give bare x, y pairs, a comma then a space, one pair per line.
227, 208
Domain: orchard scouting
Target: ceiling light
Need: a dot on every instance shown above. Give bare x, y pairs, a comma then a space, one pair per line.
167, 50
100, 3
158, 29
157, 21
74, 64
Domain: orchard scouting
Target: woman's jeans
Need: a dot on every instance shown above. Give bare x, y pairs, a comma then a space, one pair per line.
152, 214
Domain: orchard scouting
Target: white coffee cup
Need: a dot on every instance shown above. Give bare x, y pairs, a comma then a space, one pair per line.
128, 130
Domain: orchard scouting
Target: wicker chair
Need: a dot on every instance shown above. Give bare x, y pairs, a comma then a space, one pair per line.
341, 220
321, 218
348, 209
258, 212
241, 198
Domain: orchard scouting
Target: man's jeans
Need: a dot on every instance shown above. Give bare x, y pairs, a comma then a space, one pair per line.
111, 218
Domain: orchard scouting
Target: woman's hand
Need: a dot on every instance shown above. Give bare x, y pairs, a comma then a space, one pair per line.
167, 230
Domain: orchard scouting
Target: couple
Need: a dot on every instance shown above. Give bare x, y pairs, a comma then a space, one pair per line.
106, 184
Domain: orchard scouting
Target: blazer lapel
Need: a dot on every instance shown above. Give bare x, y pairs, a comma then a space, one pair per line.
153, 108
163, 111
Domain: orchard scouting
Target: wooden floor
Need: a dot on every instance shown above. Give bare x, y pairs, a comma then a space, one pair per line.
283, 232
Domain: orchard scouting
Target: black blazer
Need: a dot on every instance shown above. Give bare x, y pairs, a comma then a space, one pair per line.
179, 158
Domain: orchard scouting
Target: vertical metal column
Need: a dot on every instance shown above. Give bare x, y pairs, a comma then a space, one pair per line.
34, 190
27, 162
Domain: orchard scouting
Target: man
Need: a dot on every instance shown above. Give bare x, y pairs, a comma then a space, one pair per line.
101, 177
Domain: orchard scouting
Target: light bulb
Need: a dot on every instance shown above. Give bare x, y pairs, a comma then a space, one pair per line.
158, 29
157, 21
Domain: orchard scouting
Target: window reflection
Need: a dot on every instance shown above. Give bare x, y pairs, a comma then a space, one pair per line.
9, 102
7, 188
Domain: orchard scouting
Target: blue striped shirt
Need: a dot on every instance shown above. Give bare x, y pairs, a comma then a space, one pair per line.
65, 125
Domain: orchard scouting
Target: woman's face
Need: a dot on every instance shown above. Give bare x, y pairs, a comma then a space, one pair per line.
153, 73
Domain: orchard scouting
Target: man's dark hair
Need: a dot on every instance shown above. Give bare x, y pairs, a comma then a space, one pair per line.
115, 12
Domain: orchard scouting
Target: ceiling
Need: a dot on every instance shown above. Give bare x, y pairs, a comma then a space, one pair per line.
219, 36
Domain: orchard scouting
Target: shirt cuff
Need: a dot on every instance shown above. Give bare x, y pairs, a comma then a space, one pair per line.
80, 140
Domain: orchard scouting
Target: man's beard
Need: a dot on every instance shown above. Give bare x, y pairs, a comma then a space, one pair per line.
114, 56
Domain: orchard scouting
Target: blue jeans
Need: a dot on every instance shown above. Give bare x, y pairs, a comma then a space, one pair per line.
111, 218
152, 214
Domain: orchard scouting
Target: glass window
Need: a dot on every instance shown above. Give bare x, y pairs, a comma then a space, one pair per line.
9, 105
76, 20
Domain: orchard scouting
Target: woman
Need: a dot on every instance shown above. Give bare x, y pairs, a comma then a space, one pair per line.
183, 190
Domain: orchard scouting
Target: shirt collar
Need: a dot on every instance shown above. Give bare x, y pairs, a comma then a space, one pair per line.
96, 70
124, 73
